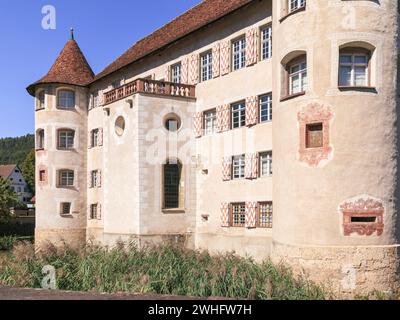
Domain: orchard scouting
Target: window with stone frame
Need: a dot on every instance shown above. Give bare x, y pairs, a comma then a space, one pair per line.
238, 167
172, 184
238, 215
314, 135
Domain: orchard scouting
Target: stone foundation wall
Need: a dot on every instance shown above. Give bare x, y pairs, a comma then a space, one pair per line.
71, 237
346, 271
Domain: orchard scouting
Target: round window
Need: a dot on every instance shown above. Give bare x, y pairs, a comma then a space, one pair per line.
120, 126
172, 123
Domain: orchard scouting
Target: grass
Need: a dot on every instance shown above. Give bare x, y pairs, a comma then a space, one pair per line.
7, 243
158, 270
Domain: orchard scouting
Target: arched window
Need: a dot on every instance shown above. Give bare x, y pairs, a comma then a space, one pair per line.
40, 139
41, 100
354, 67
66, 139
295, 75
66, 99
172, 184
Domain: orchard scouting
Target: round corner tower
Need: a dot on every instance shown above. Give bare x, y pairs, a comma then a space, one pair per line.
335, 153
61, 102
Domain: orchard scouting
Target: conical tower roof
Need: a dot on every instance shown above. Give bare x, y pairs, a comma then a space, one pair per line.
71, 67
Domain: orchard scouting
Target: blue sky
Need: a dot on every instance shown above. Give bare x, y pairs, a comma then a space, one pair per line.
103, 29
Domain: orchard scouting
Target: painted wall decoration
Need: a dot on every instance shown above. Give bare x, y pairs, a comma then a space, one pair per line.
363, 216
314, 114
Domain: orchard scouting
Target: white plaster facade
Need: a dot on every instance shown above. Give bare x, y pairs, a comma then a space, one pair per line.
308, 224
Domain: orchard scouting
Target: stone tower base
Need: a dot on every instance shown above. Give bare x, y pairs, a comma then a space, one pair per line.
345, 271
72, 237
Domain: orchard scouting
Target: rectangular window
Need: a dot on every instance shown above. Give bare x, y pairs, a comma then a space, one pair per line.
266, 108
94, 138
206, 66
239, 54
296, 4
266, 43
238, 215
40, 140
238, 167
65, 208
314, 138
94, 176
66, 178
42, 175
265, 215
353, 70
66, 99
298, 78
176, 73
41, 100
210, 122
66, 139
239, 115
266, 164
93, 211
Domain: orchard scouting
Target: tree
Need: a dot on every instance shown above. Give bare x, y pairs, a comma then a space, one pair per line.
28, 170
15, 150
8, 198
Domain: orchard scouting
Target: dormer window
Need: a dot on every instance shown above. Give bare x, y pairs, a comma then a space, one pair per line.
66, 99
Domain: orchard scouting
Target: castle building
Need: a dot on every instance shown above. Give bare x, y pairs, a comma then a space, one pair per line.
264, 127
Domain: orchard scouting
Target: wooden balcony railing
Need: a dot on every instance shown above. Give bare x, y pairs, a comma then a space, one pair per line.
161, 88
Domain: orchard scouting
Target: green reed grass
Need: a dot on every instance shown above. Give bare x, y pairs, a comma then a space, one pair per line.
159, 270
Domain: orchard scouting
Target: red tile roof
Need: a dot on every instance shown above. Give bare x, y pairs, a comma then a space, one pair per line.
71, 67
6, 171
199, 16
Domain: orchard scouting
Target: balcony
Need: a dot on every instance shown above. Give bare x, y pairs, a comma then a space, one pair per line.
160, 88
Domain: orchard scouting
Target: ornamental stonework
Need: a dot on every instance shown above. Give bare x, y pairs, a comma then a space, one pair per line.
315, 113
363, 216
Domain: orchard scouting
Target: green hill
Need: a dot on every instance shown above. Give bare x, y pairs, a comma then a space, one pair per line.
15, 150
